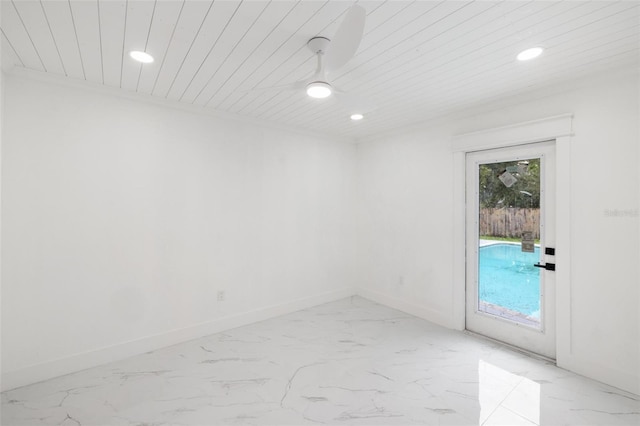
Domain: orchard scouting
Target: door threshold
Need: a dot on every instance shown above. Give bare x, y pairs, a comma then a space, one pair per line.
514, 348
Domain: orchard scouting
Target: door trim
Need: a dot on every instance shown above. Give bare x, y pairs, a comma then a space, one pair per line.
515, 134
560, 128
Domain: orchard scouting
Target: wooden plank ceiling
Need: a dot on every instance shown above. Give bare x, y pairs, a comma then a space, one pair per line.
418, 60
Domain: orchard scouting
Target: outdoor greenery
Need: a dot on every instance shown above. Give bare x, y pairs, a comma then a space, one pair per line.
524, 193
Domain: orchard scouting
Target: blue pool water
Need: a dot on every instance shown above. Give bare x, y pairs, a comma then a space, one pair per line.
508, 278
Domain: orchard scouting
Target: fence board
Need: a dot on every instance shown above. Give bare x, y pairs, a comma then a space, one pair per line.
509, 222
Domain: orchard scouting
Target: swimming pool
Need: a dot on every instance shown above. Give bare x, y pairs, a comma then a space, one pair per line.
508, 278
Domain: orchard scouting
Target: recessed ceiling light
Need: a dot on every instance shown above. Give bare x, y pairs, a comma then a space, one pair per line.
319, 89
139, 56
356, 117
534, 52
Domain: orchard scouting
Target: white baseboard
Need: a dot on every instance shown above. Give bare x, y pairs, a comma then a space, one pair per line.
625, 380
59, 367
431, 315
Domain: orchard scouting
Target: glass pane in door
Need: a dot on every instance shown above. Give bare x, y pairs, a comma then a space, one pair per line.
509, 237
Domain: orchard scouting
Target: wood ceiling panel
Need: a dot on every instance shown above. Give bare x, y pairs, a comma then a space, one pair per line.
192, 17
405, 20
139, 19
258, 56
240, 31
87, 26
380, 15
19, 38
418, 60
165, 21
34, 18
112, 31
58, 14
246, 48
217, 21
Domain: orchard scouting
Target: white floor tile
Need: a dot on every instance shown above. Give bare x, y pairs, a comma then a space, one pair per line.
347, 362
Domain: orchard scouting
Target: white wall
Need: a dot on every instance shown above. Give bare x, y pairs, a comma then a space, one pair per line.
406, 222
122, 220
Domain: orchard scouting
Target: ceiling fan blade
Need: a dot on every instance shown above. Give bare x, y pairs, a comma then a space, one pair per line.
347, 39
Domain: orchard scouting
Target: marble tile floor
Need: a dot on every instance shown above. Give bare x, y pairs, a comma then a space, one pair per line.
349, 362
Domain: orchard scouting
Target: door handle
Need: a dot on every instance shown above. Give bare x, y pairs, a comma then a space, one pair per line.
548, 266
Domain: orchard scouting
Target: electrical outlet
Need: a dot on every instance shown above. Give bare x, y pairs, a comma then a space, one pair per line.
221, 296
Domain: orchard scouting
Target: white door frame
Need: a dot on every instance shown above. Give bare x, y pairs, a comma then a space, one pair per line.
558, 128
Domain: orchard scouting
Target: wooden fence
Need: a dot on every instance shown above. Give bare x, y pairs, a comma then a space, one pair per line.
509, 222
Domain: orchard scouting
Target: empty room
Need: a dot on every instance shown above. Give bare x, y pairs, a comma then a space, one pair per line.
288, 212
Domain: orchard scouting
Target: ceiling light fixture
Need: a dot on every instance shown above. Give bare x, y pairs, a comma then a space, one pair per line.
528, 54
139, 56
356, 117
319, 89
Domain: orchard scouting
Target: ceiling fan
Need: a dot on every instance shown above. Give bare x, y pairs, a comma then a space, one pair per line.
333, 54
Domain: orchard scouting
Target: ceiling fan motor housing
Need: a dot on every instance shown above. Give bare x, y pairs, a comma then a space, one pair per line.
318, 45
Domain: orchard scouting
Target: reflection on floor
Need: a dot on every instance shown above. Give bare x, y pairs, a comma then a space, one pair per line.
346, 362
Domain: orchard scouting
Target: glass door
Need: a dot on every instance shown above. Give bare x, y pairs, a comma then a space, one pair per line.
510, 227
